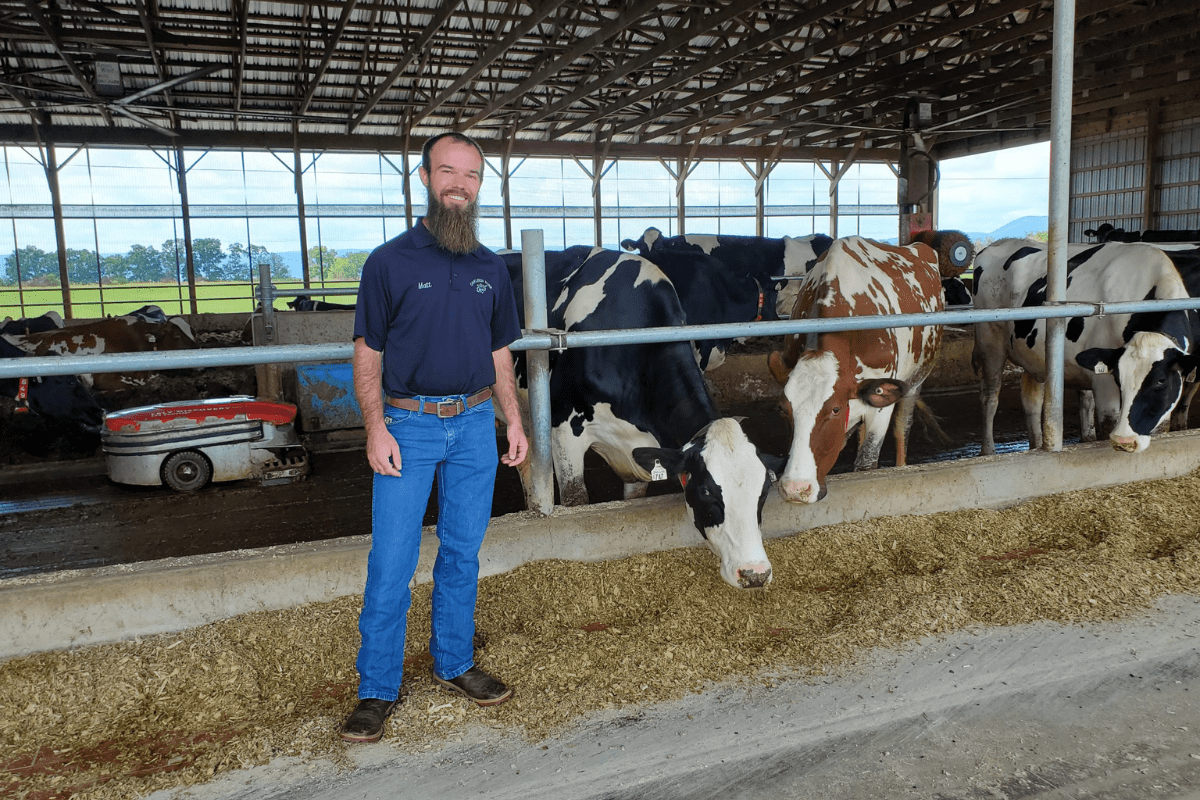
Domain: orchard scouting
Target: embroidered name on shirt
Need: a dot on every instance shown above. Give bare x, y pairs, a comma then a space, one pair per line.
481, 285
425, 285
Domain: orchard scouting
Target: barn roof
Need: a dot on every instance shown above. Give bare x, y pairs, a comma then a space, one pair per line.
570, 77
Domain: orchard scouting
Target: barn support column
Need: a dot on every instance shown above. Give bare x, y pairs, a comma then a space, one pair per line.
597, 173
298, 183
915, 176
406, 176
60, 235
185, 217
760, 172
1150, 190
1061, 88
505, 193
680, 176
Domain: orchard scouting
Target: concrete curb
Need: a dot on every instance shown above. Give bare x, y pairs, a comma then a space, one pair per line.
85, 607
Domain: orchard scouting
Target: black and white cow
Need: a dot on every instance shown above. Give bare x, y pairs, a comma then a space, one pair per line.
1156, 368
1012, 273
27, 325
558, 263
620, 399
60, 399
151, 314
306, 303
758, 256
711, 293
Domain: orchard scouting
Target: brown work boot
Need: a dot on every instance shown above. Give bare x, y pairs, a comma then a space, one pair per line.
479, 687
365, 723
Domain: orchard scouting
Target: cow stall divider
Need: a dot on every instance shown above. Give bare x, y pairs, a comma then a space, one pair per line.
539, 340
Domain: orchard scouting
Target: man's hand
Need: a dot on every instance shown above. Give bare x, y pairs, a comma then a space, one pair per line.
383, 453
518, 446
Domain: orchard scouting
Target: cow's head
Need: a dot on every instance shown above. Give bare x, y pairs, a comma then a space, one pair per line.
61, 398
1151, 370
644, 245
725, 481
824, 406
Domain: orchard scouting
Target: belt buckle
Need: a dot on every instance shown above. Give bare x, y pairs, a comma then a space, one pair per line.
453, 403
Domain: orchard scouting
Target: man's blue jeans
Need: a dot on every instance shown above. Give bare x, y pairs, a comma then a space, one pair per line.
462, 451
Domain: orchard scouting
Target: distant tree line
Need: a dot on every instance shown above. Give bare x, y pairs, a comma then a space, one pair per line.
143, 264
323, 261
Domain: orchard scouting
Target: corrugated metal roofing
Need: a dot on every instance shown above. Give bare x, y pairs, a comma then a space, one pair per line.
806, 74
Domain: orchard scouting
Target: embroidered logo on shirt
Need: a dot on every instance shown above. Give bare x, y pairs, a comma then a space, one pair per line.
481, 285
425, 285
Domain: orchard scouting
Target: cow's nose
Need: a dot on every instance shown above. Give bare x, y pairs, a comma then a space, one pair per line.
754, 577
797, 491
1127, 444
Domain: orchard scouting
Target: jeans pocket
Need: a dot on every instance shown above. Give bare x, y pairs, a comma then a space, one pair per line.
394, 416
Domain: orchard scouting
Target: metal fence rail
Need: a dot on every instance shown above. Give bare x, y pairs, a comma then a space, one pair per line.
560, 340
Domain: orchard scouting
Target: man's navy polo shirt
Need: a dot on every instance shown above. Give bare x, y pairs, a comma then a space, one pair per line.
436, 316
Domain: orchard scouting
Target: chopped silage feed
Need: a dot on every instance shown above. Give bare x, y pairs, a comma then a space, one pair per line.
122, 720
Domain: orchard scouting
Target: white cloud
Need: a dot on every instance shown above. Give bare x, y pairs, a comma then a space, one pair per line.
983, 192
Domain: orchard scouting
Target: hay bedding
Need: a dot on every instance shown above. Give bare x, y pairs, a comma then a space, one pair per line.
117, 721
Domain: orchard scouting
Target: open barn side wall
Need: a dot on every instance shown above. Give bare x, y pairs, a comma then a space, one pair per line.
107, 604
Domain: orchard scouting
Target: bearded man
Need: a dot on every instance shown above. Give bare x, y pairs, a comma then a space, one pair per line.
433, 322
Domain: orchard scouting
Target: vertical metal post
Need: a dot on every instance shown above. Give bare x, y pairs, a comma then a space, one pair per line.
189, 251
1061, 88
267, 297
1150, 185
60, 236
298, 186
833, 200
537, 370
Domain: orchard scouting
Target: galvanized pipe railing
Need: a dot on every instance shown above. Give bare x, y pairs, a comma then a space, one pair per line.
555, 340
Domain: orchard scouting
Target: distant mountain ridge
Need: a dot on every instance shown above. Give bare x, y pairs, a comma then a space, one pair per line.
1017, 229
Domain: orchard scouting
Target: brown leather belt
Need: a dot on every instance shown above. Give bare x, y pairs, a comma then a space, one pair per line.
446, 408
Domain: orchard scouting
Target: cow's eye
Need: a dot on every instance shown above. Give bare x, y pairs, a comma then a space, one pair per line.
837, 410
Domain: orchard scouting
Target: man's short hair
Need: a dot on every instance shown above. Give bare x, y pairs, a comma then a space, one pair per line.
427, 160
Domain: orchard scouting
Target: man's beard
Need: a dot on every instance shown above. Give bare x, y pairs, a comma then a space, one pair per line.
454, 228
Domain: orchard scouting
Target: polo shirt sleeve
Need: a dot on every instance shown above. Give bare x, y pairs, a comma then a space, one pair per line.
506, 326
372, 311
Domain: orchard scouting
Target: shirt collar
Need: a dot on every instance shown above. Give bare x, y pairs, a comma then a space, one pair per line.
423, 238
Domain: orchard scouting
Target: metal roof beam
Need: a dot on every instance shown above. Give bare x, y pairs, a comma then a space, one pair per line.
330, 48
541, 10
698, 25
568, 57
439, 19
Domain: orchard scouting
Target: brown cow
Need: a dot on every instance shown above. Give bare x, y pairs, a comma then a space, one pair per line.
113, 335
834, 382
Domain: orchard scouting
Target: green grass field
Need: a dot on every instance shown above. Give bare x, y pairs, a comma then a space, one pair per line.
211, 298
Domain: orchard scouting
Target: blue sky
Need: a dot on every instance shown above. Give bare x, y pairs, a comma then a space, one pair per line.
983, 192
977, 194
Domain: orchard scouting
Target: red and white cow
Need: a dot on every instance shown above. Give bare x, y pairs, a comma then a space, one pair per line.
1012, 273
127, 334
834, 382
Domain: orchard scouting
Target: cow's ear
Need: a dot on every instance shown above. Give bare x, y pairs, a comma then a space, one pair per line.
881, 392
773, 463
669, 459
1189, 365
778, 368
1100, 360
